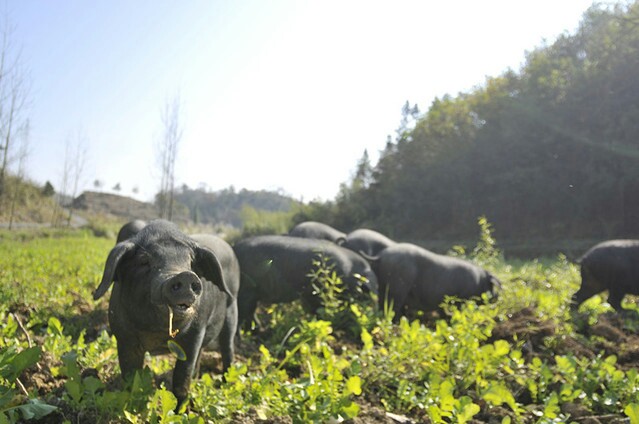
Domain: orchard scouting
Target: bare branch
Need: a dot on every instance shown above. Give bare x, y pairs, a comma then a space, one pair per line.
14, 97
75, 161
167, 153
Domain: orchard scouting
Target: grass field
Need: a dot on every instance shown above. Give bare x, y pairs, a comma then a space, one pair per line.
522, 358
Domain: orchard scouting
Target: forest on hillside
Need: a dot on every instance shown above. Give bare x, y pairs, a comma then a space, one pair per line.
547, 152
230, 206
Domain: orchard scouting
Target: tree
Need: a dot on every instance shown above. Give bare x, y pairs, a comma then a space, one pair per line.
48, 189
363, 173
14, 99
77, 170
22, 158
72, 172
350, 212
167, 155
410, 115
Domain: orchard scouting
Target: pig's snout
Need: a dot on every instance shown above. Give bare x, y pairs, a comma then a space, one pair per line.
182, 290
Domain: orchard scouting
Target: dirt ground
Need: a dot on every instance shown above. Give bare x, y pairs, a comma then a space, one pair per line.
524, 326
613, 338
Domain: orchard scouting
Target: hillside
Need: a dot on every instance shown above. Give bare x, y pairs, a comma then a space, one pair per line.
227, 208
232, 207
114, 205
25, 202
28, 204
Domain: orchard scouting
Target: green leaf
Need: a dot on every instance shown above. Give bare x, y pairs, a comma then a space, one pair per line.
468, 411
167, 402
35, 409
92, 384
632, 411
71, 368
266, 355
19, 362
551, 409
446, 396
132, 418
27, 358
354, 385
502, 347
497, 394
351, 410
367, 340
54, 326
137, 382
74, 389
566, 365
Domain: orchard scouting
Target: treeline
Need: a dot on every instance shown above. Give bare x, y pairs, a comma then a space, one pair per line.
548, 152
232, 207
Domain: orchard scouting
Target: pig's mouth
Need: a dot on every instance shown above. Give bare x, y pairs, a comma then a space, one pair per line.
182, 309
179, 314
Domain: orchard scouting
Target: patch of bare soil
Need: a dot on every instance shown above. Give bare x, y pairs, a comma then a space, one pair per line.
525, 327
540, 338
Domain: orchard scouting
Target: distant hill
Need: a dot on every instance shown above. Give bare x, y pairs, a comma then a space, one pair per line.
243, 209
116, 205
227, 207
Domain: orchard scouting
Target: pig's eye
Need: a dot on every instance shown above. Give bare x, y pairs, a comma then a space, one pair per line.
143, 261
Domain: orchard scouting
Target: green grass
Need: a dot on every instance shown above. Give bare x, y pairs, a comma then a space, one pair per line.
315, 369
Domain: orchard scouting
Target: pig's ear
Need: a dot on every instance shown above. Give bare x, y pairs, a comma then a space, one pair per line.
206, 261
112, 262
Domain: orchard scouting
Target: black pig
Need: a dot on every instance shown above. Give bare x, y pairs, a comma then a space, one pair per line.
317, 230
275, 269
130, 229
367, 241
611, 265
171, 288
416, 279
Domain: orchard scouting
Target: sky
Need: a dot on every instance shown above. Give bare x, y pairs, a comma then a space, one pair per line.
281, 95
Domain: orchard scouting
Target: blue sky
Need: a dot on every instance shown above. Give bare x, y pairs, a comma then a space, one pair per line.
277, 95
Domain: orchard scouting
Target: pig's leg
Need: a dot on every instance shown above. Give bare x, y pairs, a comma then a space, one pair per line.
184, 369
615, 296
130, 355
227, 336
